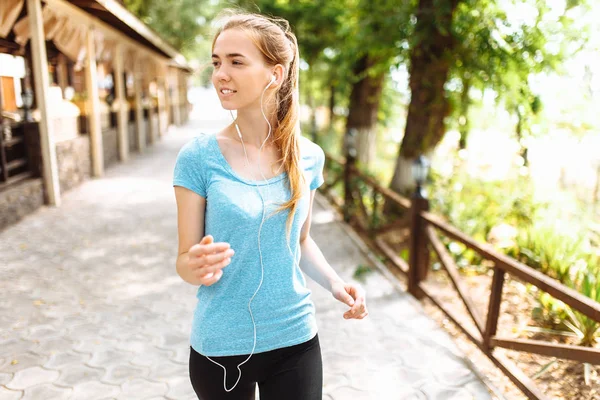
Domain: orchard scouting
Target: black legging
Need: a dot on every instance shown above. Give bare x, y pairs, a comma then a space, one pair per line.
291, 373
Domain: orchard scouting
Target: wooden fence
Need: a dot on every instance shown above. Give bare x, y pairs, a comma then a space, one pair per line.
361, 203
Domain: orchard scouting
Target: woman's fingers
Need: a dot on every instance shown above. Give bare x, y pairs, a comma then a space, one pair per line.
206, 270
210, 259
201, 249
213, 278
358, 310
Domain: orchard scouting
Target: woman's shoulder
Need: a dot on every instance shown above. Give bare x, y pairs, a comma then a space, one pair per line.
310, 149
195, 146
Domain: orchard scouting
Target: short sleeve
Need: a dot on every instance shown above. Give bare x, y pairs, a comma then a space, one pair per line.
318, 166
189, 171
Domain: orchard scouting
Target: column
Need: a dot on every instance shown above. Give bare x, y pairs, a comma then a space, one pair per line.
93, 106
41, 79
168, 100
176, 98
122, 115
139, 112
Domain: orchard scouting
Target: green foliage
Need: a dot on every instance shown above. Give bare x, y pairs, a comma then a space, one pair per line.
550, 311
179, 22
498, 51
544, 247
559, 254
361, 272
542, 242
475, 206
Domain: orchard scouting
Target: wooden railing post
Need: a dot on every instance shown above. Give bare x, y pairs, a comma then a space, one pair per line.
419, 253
350, 152
493, 307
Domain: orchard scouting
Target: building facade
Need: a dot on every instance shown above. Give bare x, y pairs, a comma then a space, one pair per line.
83, 83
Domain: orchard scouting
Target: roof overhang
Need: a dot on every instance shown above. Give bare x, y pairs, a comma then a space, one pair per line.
113, 16
116, 15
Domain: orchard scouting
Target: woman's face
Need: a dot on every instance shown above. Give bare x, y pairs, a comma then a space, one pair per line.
238, 65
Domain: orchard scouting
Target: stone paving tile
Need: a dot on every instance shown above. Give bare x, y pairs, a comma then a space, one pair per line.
32, 376
180, 389
108, 357
121, 373
14, 346
107, 316
61, 360
5, 378
75, 374
51, 346
47, 391
6, 394
166, 369
95, 391
20, 361
140, 388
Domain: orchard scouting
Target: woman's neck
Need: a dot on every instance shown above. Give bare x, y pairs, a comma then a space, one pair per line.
254, 127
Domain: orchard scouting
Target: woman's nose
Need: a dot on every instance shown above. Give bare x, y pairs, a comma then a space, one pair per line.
221, 74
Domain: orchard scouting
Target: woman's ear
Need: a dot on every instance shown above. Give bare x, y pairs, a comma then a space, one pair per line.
278, 73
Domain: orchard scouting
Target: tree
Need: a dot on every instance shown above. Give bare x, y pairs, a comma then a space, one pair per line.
179, 22
476, 44
431, 57
376, 41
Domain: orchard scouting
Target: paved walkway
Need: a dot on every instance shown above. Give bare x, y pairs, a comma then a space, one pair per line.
91, 306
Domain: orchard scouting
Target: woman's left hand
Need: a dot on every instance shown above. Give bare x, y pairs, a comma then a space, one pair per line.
354, 296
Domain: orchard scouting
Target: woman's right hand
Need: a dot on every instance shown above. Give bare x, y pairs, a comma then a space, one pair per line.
207, 260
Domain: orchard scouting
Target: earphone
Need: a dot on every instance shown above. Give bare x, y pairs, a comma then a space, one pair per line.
237, 128
273, 79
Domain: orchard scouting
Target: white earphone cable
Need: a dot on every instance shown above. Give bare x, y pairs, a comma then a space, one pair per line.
259, 230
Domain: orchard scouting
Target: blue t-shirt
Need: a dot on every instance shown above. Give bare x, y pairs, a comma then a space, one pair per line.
283, 310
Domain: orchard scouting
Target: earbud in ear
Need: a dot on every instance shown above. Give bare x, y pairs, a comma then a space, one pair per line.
273, 78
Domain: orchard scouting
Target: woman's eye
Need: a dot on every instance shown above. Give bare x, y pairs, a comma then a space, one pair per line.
216, 63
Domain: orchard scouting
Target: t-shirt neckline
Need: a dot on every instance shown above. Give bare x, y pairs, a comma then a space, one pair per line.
226, 165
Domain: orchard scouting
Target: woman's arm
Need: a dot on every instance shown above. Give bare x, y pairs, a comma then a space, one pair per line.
312, 260
314, 264
190, 229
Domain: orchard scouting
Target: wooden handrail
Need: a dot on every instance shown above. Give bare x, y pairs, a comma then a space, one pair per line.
566, 351
578, 301
423, 226
388, 193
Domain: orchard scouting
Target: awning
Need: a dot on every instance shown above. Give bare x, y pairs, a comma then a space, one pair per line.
9, 12
68, 36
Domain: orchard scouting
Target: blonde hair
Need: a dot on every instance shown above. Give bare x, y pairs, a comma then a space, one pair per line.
275, 40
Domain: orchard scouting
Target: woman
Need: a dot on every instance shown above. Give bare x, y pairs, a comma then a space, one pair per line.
249, 189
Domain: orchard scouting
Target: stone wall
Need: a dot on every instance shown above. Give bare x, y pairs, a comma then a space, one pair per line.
110, 146
20, 200
74, 162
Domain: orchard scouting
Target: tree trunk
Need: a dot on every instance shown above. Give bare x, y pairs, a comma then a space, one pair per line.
362, 113
430, 61
331, 106
311, 104
463, 120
